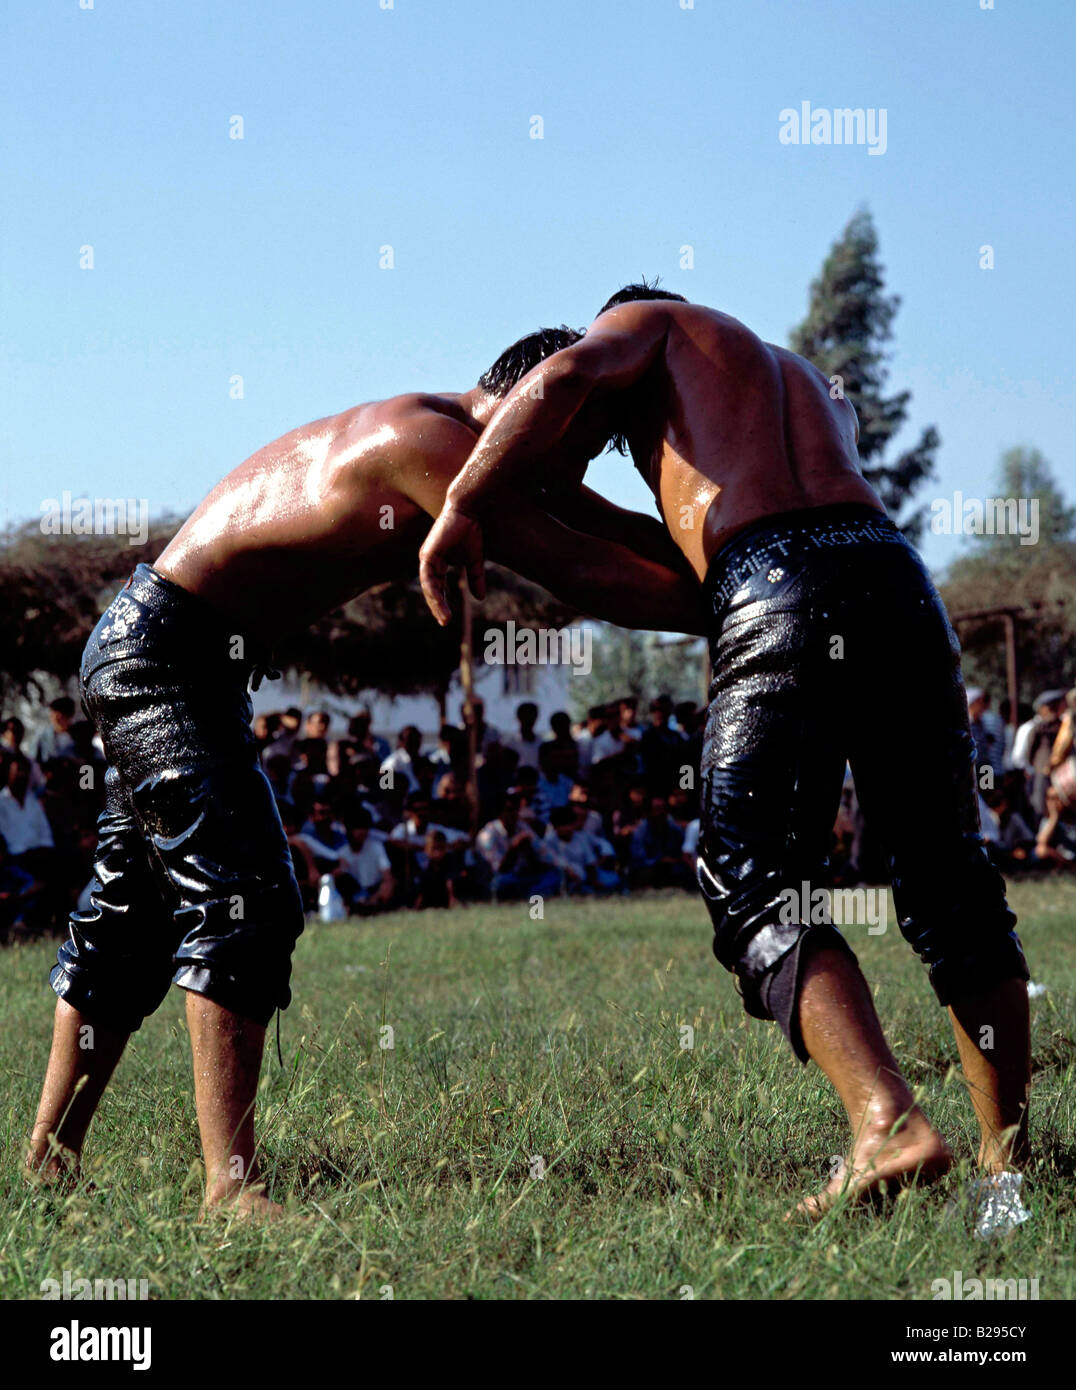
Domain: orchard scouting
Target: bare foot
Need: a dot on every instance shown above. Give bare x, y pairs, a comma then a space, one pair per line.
883, 1160
56, 1168
244, 1200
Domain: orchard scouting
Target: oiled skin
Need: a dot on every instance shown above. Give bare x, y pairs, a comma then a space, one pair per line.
343, 503
299, 527
726, 429
750, 429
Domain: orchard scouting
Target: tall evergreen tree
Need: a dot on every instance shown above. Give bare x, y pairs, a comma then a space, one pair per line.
849, 321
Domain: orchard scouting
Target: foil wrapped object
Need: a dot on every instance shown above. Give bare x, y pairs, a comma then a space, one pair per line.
998, 1206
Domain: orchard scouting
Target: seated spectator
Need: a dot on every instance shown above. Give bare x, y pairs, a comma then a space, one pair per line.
265, 728
450, 755
307, 870
18, 892
410, 836
327, 837
627, 732
487, 737
399, 769
594, 741
627, 818
433, 882
61, 739
556, 774
311, 752
12, 737
567, 752
1009, 839
1055, 842
661, 747
284, 735
586, 862
70, 812
526, 743
12, 734
359, 745
690, 721
586, 818
278, 771
517, 858
534, 803
451, 806
23, 823
363, 873
656, 849
683, 807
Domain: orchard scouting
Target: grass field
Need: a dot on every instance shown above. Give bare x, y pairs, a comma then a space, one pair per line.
536, 1047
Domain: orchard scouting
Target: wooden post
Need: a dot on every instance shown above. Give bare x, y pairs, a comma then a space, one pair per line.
1010, 666
467, 682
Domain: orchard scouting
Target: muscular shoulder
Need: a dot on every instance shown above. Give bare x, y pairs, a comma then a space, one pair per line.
418, 417
426, 441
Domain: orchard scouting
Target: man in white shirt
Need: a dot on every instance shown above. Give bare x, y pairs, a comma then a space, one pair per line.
578, 854
527, 743
519, 861
23, 822
411, 832
363, 873
400, 764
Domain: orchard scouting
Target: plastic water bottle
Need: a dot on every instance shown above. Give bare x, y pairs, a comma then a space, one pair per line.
331, 906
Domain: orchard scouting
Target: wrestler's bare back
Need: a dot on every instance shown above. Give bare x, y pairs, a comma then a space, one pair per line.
323, 512
749, 430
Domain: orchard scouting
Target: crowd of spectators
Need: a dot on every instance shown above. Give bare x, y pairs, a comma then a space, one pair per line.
606, 806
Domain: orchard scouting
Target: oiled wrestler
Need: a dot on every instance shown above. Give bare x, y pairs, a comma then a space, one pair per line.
824, 627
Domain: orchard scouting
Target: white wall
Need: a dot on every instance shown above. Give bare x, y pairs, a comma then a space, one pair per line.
549, 688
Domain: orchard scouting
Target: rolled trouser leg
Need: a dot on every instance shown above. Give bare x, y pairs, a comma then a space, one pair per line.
765, 953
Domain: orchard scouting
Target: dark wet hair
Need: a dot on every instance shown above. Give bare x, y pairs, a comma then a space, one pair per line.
515, 362
640, 290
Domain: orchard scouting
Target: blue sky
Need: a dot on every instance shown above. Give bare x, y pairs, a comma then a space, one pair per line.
410, 127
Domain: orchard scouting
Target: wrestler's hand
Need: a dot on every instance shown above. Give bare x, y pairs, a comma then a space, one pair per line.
456, 539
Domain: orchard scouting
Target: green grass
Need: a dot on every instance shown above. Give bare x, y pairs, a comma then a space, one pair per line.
516, 1040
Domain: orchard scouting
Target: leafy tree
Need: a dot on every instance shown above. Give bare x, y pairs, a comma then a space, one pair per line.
643, 664
849, 321
53, 588
997, 571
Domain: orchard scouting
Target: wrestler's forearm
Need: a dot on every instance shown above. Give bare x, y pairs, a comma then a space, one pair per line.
529, 423
624, 589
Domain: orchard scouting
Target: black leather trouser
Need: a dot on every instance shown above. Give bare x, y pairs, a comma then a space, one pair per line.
830, 643
193, 878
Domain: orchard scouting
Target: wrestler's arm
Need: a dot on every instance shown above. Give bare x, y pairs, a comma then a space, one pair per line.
532, 419
587, 511
599, 576
528, 427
